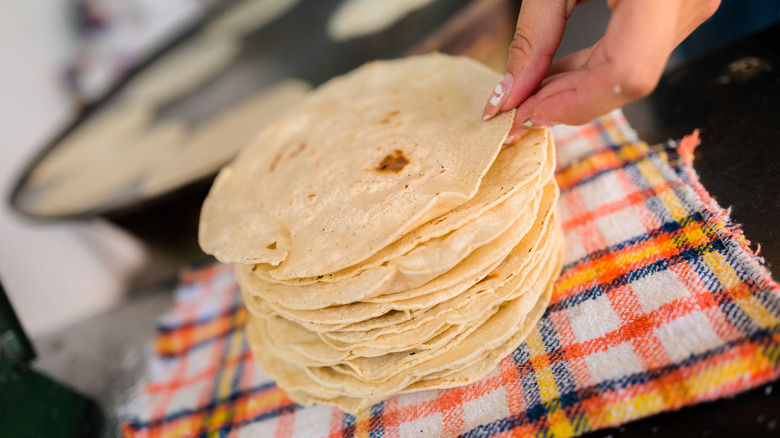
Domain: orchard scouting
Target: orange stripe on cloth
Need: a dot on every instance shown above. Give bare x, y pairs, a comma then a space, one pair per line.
178, 341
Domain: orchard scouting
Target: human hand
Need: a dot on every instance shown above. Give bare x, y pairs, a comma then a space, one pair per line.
623, 66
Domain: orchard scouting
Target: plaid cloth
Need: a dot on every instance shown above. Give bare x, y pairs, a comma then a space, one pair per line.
661, 304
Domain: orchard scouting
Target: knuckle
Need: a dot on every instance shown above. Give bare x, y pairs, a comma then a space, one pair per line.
639, 84
522, 44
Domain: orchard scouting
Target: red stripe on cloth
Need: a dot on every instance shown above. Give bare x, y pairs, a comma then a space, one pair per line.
285, 426
160, 410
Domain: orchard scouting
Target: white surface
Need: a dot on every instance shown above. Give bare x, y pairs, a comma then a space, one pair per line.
54, 274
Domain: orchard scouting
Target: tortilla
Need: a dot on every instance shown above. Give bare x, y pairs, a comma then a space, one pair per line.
108, 173
416, 141
181, 71
247, 17
355, 18
463, 306
107, 130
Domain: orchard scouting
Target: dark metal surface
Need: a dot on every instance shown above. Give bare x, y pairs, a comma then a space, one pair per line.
733, 97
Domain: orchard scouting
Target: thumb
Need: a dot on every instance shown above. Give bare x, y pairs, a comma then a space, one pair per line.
539, 30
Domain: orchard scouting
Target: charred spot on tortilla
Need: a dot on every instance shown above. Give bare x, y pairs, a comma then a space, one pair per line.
394, 162
388, 117
275, 162
297, 151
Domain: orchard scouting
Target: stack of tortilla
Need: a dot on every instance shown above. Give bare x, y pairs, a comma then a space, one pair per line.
384, 241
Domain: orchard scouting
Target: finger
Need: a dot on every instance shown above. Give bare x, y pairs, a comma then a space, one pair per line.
570, 62
540, 26
627, 66
555, 84
526, 119
693, 14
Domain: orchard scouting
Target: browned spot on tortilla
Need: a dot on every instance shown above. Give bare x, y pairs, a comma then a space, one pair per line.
388, 117
312, 196
276, 161
297, 151
394, 162
490, 276
292, 201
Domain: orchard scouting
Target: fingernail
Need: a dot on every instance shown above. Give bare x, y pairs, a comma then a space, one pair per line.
509, 140
534, 123
497, 97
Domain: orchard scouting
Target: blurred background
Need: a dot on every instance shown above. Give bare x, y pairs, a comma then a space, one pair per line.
63, 63
57, 273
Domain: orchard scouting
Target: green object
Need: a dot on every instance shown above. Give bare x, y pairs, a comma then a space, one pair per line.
31, 404
14, 344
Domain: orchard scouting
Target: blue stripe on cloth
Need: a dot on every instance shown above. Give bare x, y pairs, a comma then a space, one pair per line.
594, 292
561, 371
235, 385
376, 423
348, 425
145, 424
221, 368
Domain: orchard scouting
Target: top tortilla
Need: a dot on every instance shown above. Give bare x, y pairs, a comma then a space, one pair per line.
303, 196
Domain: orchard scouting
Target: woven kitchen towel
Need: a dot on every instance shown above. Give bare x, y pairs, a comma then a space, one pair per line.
661, 304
